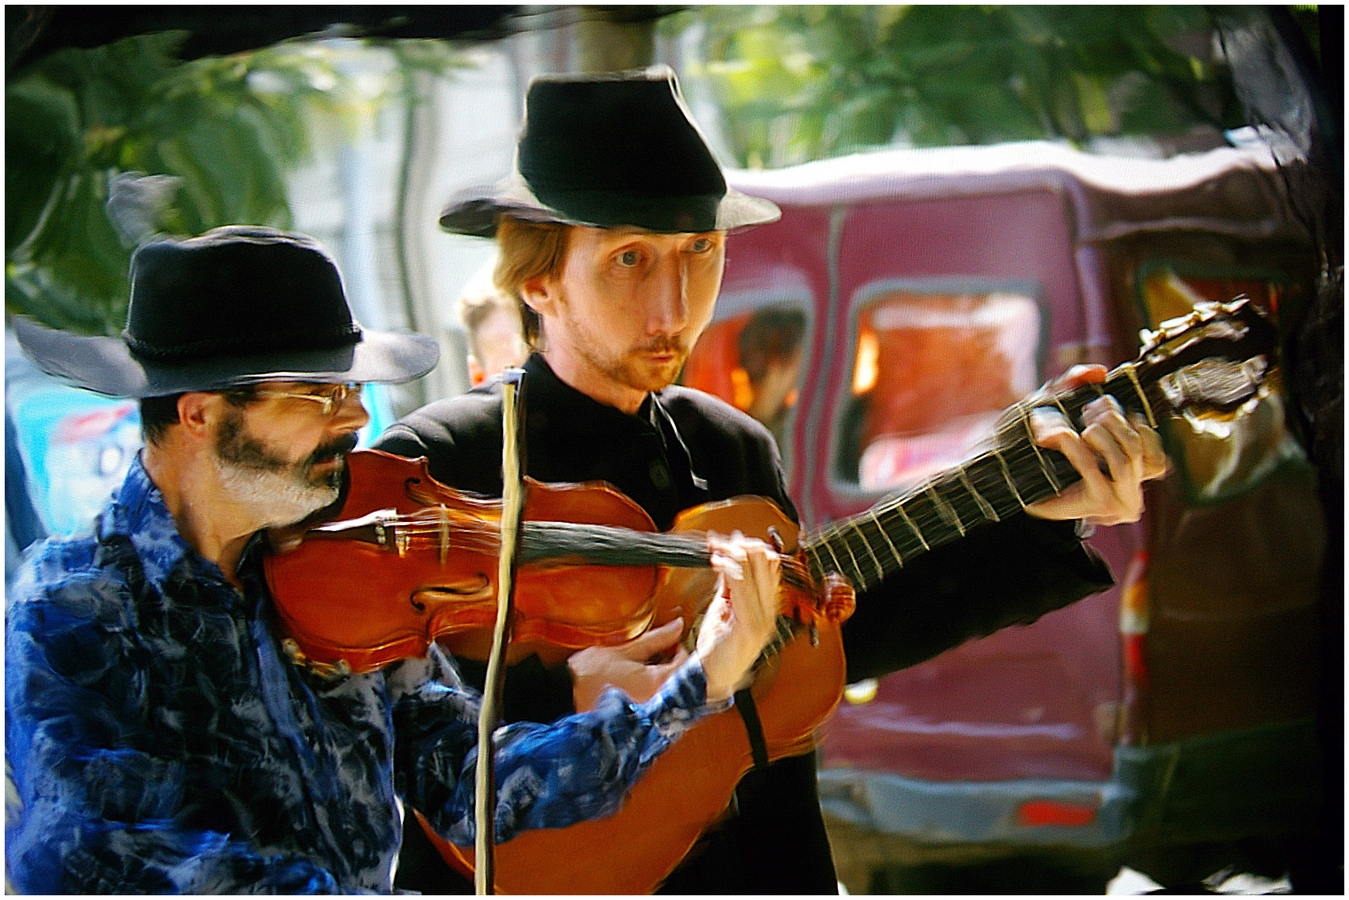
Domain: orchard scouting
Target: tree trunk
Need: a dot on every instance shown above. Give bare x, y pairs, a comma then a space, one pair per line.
614, 38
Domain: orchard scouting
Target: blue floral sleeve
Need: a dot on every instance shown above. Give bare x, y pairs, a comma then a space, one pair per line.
580, 767
101, 811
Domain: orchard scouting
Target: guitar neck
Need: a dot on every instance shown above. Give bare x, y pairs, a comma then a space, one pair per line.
997, 483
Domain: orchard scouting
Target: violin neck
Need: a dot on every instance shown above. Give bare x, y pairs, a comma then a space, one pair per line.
611, 546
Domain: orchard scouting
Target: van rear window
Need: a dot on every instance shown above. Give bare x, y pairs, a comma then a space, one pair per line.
931, 373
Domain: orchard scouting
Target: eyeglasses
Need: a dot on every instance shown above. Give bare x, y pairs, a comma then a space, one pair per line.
331, 399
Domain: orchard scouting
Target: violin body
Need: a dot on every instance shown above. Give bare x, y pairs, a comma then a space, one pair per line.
389, 601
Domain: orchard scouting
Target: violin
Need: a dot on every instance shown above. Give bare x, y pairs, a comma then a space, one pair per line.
408, 561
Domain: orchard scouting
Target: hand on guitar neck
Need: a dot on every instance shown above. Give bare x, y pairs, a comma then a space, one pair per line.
1113, 454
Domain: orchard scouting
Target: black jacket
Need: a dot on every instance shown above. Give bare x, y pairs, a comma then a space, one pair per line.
684, 448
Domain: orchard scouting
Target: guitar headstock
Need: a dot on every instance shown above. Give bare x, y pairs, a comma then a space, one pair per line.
1212, 362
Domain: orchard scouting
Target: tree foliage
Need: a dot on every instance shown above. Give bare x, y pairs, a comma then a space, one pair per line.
220, 133
808, 82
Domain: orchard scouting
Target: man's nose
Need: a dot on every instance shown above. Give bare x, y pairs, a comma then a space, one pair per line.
669, 309
351, 416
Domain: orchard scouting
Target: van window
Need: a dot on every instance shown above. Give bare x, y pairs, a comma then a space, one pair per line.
931, 373
753, 361
1220, 458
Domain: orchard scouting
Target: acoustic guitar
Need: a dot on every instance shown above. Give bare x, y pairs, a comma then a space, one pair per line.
1212, 362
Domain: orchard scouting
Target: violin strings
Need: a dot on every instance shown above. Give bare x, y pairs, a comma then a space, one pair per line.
604, 545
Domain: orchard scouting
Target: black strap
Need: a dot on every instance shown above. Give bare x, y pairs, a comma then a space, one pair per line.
749, 714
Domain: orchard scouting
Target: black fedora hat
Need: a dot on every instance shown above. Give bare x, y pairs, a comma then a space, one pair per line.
608, 150
237, 305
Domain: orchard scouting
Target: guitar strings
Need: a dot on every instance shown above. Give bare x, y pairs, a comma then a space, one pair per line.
987, 487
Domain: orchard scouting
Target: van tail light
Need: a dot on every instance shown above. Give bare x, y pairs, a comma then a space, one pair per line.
1133, 631
1055, 812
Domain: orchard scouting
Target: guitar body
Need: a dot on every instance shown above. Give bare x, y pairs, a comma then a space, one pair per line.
689, 787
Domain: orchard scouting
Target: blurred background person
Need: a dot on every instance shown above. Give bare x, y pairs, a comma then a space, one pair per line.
770, 356
492, 326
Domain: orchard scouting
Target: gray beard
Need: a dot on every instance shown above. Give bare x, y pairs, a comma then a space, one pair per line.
275, 498
276, 491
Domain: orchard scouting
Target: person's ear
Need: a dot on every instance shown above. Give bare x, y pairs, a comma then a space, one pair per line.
540, 294
198, 411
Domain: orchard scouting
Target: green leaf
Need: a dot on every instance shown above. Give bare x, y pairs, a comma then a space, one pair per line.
41, 134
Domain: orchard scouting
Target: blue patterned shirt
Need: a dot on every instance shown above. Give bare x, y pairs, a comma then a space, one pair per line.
161, 741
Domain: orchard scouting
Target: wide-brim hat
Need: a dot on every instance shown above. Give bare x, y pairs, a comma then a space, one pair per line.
610, 150
237, 305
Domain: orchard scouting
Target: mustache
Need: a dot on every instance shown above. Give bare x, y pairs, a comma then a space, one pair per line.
663, 343
333, 449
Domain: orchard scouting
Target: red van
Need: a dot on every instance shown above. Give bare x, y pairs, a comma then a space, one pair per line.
902, 302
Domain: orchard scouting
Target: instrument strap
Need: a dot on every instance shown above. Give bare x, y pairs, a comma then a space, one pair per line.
749, 714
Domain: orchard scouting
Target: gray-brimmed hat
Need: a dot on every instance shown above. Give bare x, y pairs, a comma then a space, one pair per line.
237, 305
608, 150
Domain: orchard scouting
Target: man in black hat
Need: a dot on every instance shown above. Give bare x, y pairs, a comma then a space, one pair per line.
158, 737
612, 231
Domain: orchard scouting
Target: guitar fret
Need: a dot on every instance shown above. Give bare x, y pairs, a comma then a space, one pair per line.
838, 566
988, 511
814, 553
1058, 401
922, 540
1030, 437
1007, 476
881, 528
880, 570
1142, 397
855, 573
943, 508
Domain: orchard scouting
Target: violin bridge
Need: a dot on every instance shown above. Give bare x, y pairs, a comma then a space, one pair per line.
444, 534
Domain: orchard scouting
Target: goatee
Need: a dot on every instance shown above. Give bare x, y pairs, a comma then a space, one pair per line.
277, 491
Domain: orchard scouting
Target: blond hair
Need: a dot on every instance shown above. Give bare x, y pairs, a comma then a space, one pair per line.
528, 250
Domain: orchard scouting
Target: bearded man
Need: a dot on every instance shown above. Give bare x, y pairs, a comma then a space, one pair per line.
159, 737
612, 232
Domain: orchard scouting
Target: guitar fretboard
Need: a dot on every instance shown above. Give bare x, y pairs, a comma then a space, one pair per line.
995, 484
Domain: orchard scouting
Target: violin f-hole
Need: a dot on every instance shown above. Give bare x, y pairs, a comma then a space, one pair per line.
479, 589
